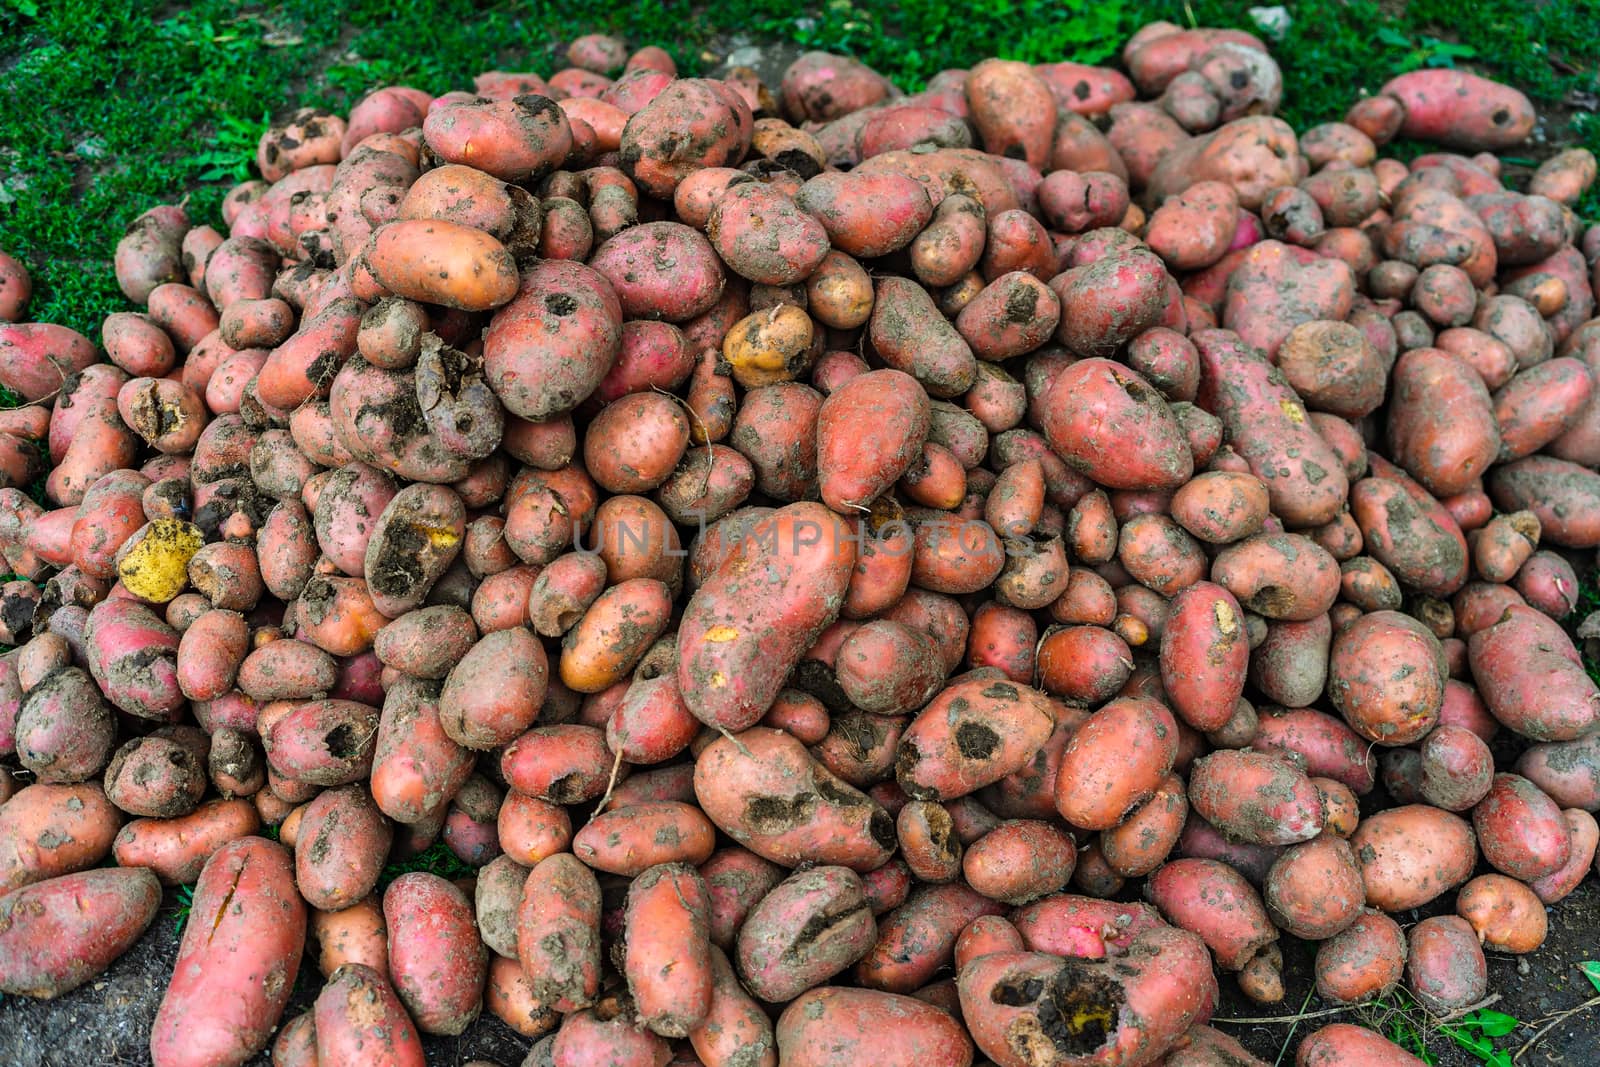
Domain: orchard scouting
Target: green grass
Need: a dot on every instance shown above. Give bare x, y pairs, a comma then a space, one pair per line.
115, 107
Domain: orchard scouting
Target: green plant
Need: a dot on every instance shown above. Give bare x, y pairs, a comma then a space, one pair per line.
435, 859
185, 896
1476, 1031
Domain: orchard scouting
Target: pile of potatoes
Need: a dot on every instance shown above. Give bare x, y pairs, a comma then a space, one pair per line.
865, 578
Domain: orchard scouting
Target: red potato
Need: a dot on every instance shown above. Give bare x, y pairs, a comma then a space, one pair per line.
1506, 915
1267, 425
249, 924
1255, 797
1115, 761
1445, 968
437, 962
358, 1015
537, 372
667, 962
176, 850
558, 932
1132, 1012
1460, 109
1400, 874
752, 786
1347, 1045
1109, 424
659, 150
833, 1026
1213, 900
735, 648
57, 934
1505, 658
1363, 961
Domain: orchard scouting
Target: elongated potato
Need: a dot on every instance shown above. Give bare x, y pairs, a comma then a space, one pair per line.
247, 928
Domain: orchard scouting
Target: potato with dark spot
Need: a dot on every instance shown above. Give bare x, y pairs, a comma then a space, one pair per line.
975, 732
808, 928
764, 790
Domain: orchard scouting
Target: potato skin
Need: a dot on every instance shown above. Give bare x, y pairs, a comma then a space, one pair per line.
632, 838
1531, 677
358, 1016
1267, 425
750, 622
549, 348
1108, 423
176, 850
976, 732
558, 932
1520, 829
1347, 1045
437, 961
1411, 854
1362, 961
1255, 797
1115, 761
248, 927
778, 802
57, 934
49, 830
1445, 968
833, 1026
1506, 915
1133, 1009
1461, 110
1211, 899
667, 960
778, 959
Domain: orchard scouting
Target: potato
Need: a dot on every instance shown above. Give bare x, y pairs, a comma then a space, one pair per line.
57, 934
1326, 746
537, 372
340, 848
864, 214
910, 335
437, 962
1520, 829
661, 270
359, 1015
1132, 1011
1367, 658
634, 837
1114, 762
973, 733
248, 926
658, 150
1203, 655
1109, 424
176, 850
1093, 324
493, 694
1503, 912
1314, 890
737, 643
515, 140
1507, 656
1361, 962
1445, 968
1461, 110
763, 790
1213, 900
1015, 313
1255, 797
833, 1026
1411, 854
64, 731
1348, 1045
1267, 425
1407, 530
558, 932
160, 775
804, 931
323, 742
918, 938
